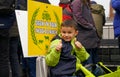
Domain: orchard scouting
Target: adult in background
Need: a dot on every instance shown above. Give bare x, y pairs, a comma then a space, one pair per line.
28, 64
6, 21
81, 13
13, 46
116, 23
13, 49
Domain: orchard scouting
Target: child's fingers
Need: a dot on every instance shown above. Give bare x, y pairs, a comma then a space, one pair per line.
77, 43
59, 46
60, 43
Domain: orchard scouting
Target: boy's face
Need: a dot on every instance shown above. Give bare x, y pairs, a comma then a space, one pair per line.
68, 33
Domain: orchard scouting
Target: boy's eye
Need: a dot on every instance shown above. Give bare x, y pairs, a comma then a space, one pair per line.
63, 32
66, 32
69, 32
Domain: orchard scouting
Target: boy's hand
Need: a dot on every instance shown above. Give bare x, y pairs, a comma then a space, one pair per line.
59, 46
78, 44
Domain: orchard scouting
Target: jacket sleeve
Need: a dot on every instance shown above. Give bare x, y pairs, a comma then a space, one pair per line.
116, 4
82, 54
52, 56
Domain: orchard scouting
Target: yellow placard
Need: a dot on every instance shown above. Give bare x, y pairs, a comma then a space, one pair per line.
43, 24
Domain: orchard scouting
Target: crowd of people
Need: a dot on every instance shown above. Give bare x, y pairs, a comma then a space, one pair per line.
77, 43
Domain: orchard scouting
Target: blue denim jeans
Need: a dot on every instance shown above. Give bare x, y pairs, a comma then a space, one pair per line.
93, 59
29, 65
14, 62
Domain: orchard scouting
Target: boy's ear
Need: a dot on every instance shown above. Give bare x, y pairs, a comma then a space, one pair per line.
76, 33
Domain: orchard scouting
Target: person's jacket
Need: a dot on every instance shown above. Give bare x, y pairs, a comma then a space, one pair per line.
53, 56
87, 31
116, 6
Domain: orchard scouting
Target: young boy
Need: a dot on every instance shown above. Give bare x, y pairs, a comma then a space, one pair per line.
65, 52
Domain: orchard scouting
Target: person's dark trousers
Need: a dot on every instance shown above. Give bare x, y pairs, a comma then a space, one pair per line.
119, 42
32, 66
14, 62
29, 66
4, 53
93, 59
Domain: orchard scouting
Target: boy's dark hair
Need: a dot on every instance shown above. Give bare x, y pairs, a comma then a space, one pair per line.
69, 23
